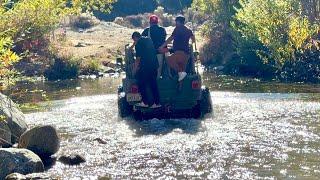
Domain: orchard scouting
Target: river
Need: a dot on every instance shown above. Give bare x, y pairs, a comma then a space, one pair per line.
258, 130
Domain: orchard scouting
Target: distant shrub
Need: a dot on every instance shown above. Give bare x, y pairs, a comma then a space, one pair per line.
63, 68
140, 20
83, 21
133, 21
305, 68
175, 6
165, 18
90, 67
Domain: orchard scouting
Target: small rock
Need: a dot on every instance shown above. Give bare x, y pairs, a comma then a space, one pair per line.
101, 141
5, 134
42, 140
18, 176
80, 45
20, 161
72, 159
109, 70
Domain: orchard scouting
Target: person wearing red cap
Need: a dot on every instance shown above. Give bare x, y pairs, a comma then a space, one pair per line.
158, 36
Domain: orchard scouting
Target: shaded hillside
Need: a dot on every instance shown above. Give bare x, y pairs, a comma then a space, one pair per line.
132, 7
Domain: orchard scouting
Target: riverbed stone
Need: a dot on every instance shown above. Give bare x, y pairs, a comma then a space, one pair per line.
21, 161
42, 140
34, 176
13, 116
72, 159
5, 134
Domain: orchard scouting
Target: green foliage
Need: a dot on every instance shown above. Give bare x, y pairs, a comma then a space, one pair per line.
277, 25
7, 59
262, 38
63, 68
25, 24
219, 47
174, 6
124, 8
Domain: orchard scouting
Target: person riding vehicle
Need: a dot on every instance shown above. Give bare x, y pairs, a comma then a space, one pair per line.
180, 37
145, 69
158, 36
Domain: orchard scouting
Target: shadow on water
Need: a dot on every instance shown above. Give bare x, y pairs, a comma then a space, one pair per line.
164, 126
49, 162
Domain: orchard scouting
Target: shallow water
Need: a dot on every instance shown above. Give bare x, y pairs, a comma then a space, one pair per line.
251, 134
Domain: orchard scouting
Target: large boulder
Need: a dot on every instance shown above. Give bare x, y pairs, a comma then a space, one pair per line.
42, 140
5, 134
19, 161
13, 117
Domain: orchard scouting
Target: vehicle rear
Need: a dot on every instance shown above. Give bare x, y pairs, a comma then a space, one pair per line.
178, 99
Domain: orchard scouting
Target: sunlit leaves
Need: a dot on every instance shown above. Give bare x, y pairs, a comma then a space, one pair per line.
26, 21
277, 24
7, 59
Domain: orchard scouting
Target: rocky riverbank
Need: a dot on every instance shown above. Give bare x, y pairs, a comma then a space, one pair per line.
25, 151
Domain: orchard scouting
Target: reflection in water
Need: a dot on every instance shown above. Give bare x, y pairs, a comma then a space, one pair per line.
249, 136
163, 127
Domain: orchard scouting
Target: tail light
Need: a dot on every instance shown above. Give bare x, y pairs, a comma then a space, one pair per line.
134, 89
196, 85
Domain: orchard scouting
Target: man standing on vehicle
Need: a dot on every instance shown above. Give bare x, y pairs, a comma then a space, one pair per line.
180, 37
145, 69
158, 36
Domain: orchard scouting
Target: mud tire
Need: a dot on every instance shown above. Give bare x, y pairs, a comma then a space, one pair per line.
124, 108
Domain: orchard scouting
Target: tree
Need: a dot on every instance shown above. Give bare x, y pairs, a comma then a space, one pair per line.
219, 47
27, 22
277, 25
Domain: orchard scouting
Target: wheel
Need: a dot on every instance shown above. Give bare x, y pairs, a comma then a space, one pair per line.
196, 111
205, 102
138, 115
123, 107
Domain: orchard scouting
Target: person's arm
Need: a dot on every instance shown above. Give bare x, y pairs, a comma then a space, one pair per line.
138, 57
145, 32
136, 65
169, 40
133, 45
193, 39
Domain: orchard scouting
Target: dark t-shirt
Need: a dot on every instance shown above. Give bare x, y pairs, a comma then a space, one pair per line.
181, 36
147, 53
158, 35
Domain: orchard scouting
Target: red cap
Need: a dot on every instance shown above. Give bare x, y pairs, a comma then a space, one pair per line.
154, 19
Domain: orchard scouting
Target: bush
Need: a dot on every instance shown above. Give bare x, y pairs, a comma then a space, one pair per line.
7, 60
306, 67
91, 67
63, 68
142, 20
83, 21
165, 18
175, 6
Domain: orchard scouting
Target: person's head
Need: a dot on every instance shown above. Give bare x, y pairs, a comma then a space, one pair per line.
136, 36
153, 20
180, 20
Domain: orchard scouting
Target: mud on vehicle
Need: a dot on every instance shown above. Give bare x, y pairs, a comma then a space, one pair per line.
186, 99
